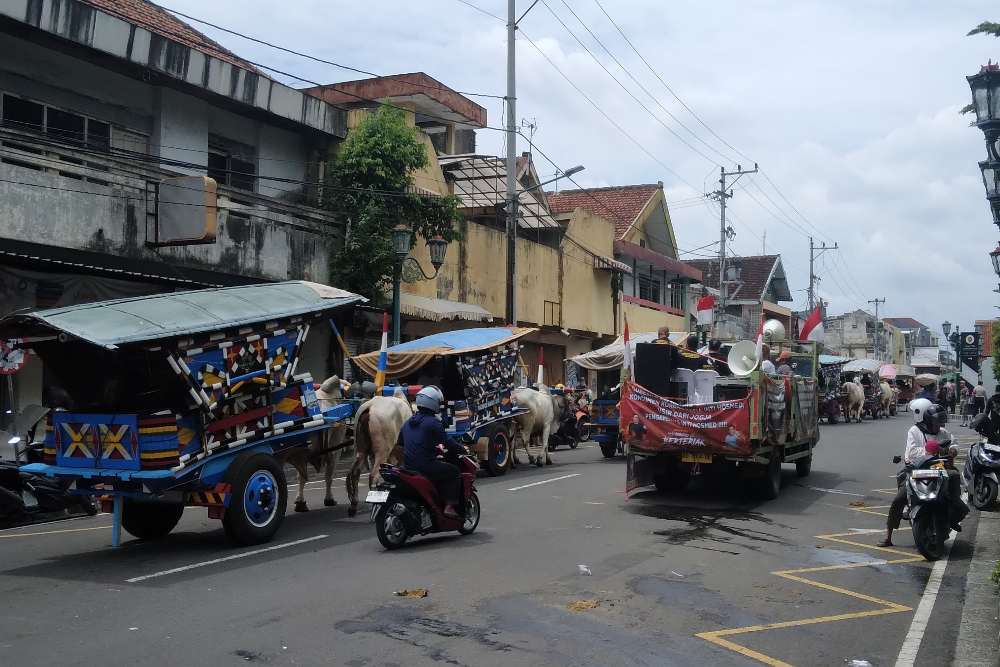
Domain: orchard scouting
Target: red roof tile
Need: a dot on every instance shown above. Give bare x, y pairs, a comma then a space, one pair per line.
158, 20
620, 204
904, 322
754, 274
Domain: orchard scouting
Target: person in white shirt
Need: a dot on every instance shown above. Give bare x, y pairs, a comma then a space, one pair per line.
928, 418
766, 364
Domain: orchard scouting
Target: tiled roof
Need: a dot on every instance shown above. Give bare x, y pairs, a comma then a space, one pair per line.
621, 204
754, 274
904, 322
158, 20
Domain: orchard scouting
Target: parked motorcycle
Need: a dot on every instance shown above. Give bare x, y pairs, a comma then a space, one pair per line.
406, 503
573, 429
929, 504
979, 476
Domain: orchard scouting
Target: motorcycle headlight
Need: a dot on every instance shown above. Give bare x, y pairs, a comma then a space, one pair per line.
925, 489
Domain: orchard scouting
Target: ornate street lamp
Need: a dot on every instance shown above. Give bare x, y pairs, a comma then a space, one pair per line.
995, 258
402, 242
946, 328
986, 103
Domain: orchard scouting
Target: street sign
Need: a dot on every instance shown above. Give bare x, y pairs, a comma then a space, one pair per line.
969, 349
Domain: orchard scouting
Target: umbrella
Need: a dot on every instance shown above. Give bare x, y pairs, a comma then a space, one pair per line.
887, 372
925, 379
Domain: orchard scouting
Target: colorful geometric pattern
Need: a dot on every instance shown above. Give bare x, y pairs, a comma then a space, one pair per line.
158, 442
218, 496
239, 419
245, 360
96, 441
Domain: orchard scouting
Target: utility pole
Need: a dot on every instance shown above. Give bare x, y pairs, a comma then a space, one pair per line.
724, 232
511, 168
814, 252
875, 345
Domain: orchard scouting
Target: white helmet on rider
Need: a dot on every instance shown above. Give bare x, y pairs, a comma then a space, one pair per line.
430, 398
918, 407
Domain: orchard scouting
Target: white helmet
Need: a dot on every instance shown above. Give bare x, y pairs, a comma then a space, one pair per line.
430, 397
918, 407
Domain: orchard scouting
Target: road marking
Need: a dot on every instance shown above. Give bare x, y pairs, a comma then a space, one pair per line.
591, 502
53, 532
717, 637
215, 561
544, 481
915, 635
68, 519
843, 493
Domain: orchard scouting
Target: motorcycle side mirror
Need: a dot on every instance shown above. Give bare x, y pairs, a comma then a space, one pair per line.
897, 458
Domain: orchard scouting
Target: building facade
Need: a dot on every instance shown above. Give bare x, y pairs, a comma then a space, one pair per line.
755, 285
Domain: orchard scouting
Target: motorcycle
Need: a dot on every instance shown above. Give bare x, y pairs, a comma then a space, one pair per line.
406, 504
573, 429
979, 475
929, 506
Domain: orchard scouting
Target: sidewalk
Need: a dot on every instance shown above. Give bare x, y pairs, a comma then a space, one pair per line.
979, 635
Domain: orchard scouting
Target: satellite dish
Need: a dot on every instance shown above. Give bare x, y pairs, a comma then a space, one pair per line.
742, 358
774, 330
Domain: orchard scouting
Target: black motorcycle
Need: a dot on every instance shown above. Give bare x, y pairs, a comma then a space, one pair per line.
982, 465
929, 506
574, 428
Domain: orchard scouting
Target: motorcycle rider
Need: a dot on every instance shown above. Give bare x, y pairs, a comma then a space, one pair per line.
424, 440
928, 419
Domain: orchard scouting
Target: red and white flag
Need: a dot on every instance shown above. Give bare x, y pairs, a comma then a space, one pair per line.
706, 305
627, 362
813, 327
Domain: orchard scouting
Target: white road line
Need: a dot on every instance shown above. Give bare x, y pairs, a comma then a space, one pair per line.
544, 481
911, 645
215, 561
843, 493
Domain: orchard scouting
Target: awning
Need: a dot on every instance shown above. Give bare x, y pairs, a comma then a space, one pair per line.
830, 360
612, 356
601, 262
408, 357
656, 259
863, 365
437, 310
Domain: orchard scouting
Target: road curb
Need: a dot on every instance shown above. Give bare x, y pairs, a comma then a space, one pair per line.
979, 635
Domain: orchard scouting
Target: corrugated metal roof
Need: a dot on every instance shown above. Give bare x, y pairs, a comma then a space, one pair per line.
122, 321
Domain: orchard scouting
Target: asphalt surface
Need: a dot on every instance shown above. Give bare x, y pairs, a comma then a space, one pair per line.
665, 570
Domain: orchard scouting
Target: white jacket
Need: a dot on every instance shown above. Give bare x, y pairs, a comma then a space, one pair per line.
916, 445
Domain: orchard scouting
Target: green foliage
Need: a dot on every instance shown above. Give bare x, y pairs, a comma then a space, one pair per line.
995, 575
986, 28
995, 332
968, 108
369, 190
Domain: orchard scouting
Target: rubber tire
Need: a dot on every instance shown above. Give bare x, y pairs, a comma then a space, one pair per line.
150, 521
573, 444
383, 537
492, 467
583, 429
803, 466
473, 500
991, 494
608, 450
769, 486
235, 521
931, 551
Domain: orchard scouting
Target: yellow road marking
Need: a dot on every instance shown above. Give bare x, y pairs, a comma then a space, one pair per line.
717, 637
52, 532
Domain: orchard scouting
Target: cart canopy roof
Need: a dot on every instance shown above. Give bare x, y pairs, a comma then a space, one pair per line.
612, 356
410, 356
863, 365
832, 360
110, 324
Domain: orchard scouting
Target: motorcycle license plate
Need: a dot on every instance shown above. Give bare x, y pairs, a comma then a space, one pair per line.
696, 458
377, 497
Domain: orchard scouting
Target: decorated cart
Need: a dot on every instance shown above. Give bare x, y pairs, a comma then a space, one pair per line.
865, 373
889, 373
832, 397
180, 399
476, 370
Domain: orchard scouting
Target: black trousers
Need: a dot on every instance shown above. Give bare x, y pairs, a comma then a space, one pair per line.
980, 406
958, 508
446, 478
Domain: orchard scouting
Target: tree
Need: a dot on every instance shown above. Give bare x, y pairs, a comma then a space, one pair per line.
984, 28
995, 332
370, 189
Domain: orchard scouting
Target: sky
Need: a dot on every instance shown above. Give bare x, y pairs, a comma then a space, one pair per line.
850, 109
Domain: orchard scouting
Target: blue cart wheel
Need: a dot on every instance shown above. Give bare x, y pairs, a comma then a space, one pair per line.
259, 496
498, 454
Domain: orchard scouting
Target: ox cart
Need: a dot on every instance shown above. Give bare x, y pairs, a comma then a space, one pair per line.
743, 425
832, 397
476, 370
181, 399
865, 372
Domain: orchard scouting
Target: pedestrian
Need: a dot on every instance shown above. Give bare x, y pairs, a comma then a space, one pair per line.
952, 396
968, 403
979, 393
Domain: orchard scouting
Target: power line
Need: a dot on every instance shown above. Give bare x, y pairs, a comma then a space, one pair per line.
480, 10
618, 81
316, 58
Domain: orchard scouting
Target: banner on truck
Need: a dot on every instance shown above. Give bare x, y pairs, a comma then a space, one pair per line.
653, 424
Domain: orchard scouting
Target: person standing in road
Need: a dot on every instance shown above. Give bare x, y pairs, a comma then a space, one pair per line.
979, 402
952, 396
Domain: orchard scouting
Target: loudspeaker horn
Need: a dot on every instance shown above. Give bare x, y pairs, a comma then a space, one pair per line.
742, 358
774, 331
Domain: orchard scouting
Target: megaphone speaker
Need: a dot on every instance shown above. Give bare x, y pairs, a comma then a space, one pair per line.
742, 358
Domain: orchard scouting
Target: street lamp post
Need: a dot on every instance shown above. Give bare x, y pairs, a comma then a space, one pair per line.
986, 102
402, 242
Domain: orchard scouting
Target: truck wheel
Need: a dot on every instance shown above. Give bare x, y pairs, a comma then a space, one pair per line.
803, 466
770, 483
260, 494
608, 449
499, 454
150, 521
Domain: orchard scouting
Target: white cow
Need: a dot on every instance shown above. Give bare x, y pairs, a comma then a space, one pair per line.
376, 430
888, 397
855, 400
536, 424
320, 453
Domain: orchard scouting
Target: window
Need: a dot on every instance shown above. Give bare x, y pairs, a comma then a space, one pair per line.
678, 296
65, 126
649, 289
232, 164
552, 313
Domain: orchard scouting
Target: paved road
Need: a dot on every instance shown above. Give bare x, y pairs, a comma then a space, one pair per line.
665, 571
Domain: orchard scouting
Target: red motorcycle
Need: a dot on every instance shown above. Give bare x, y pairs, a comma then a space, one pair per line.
406, 503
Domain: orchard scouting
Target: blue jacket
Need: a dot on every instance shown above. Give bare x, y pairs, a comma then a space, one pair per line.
421, 434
